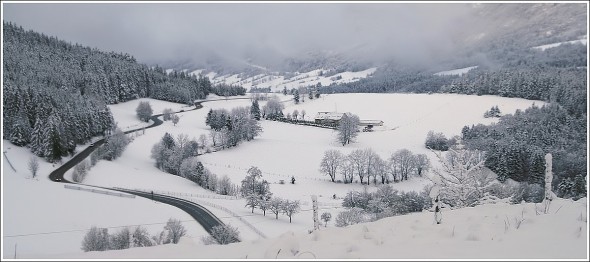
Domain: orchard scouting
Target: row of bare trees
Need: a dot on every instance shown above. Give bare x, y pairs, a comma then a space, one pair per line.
367, 165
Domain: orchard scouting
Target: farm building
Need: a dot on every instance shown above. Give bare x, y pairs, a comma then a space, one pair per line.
328, 118
333, 118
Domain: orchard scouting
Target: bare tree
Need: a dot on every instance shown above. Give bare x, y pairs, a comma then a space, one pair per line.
379, 168
348, 128
275, 205
422, 164
358, 160
331, 161
403, 159
347, 170
202, 141
291, 207
33, 166
263, 204
326, 217
302, 114
295, 114
175, 118
214, 135
371, 158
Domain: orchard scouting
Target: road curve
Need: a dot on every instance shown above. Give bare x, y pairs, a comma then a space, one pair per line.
198, 212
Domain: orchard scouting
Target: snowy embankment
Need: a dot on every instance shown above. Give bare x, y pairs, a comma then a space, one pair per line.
41, 217
582, 41
281, 151
491, 231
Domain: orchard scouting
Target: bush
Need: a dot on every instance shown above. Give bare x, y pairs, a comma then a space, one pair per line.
175, 230
518, 191
350, 217
436, 141
97, 239
144, 111
120, 240
223, 235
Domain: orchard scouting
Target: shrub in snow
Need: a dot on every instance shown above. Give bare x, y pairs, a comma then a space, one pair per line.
326, 217
33, 165
120, 240
166, 114
493, 112
80, 171
437, 141
114, 145
97, 239
350, 217
175, 230
225, 234
141, 238
175, 118
463, 178
144, 111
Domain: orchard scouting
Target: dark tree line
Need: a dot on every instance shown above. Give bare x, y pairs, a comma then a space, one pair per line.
56, 93
228, 90
517, 144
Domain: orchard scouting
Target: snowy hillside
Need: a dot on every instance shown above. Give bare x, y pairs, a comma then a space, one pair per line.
277, 82
491, 231
458, 72
582, 41
281, 151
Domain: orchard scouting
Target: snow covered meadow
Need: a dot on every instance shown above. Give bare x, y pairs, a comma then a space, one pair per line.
281, 151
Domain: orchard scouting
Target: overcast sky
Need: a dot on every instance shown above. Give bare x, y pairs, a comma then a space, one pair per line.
158, 32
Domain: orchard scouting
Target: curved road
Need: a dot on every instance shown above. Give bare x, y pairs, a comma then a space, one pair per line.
199, 213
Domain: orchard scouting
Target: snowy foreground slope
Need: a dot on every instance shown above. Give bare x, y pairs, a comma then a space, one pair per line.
484, 232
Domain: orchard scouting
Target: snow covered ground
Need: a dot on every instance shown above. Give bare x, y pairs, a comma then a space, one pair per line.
277, 83
281, 151
582, 41
489, 231
41, 218
458, 72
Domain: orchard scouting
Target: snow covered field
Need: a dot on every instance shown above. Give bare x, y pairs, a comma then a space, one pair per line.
276, 83
42, 218
281, 151
582, 41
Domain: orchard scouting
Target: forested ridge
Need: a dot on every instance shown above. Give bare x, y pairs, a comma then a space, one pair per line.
55, 93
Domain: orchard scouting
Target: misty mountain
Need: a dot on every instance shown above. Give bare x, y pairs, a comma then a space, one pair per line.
477, 37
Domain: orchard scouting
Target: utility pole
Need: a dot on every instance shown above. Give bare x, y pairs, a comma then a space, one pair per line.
15, 250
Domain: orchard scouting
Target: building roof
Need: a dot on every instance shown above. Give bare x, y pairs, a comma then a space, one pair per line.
370, 122
329, 115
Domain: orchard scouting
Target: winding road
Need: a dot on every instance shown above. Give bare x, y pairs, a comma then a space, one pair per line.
198, 212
